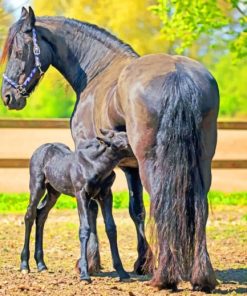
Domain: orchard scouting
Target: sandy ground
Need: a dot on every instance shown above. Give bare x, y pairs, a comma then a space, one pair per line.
226, 234
20, 143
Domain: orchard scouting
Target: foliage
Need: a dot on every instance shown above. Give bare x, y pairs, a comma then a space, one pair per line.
184, 22
231, 199
18, 202
231, 78
4, 23
196, 25
127, 19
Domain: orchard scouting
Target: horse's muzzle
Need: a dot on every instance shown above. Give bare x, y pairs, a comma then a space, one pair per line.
13, 101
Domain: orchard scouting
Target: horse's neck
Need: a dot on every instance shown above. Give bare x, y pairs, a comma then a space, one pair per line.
78, 56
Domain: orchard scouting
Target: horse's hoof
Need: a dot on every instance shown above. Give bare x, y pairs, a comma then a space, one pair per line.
124, 276
161, 286
142, 268
25, 271
205, 289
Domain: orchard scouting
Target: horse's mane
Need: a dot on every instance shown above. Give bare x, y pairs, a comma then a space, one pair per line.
97, 33
93, 31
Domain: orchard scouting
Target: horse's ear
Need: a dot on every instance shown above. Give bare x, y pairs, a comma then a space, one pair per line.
29, 21
24, 13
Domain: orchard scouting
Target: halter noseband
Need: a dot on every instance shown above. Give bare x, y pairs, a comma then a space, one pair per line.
22, 87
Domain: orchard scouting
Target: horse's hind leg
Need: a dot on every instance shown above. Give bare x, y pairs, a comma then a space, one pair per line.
203, 276
42, 214
137, 213
110, 227
37, 190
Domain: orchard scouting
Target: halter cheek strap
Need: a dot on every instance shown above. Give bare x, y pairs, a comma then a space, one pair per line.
37, 68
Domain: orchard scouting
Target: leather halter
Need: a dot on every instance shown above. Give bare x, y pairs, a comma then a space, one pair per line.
21, 88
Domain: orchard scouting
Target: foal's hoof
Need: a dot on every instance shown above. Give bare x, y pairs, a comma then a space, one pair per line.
42, 267
25, 271
85, 279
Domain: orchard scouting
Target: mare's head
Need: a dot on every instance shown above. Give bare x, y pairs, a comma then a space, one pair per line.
28, 57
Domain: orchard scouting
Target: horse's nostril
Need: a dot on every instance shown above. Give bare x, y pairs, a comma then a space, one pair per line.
7, 99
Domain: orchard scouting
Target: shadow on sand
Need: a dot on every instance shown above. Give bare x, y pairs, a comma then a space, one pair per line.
232, 277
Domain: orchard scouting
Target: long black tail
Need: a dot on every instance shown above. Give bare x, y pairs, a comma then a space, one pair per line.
177, 185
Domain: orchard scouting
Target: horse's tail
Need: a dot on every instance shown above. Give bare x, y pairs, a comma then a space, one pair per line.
177, 185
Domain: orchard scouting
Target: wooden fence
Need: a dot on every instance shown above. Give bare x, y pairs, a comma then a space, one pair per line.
64, 124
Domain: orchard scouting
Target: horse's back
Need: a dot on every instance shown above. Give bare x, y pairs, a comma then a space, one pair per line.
144, 77
151, 82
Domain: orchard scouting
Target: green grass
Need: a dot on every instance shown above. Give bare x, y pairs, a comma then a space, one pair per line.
18, 202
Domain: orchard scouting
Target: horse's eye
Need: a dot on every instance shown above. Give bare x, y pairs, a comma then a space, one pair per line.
18, 54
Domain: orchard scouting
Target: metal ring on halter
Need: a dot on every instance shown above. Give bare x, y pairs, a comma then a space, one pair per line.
36, 50
21, 90
40, 71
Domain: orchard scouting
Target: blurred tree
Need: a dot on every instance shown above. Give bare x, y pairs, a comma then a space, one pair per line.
127, 19
231, 78
191, 26
184, 22
5, 20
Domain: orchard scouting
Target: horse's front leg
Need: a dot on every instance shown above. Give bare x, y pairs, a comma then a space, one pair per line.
84, 233
111, 231
137, 213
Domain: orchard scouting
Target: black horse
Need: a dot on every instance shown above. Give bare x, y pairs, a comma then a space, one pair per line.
168, 105
86, 173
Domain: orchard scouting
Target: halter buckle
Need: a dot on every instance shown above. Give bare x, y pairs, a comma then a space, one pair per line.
22, 90
36, 50
41, 73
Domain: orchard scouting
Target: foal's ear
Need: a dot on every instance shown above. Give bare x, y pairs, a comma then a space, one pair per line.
29, 21
107, 132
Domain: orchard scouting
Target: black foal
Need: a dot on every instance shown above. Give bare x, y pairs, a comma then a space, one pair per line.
86, 173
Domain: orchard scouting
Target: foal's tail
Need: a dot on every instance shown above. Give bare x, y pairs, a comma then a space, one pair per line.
177, 185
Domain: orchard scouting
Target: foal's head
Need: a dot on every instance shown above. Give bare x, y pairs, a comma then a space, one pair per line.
110, 144
28, 57
117, 141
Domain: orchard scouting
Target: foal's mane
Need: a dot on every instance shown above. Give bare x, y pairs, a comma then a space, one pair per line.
90, 30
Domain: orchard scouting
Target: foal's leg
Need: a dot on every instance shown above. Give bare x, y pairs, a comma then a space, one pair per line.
203, 276
37, 190
93, 244
137, 213
84, 233
42, 214
110, 227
